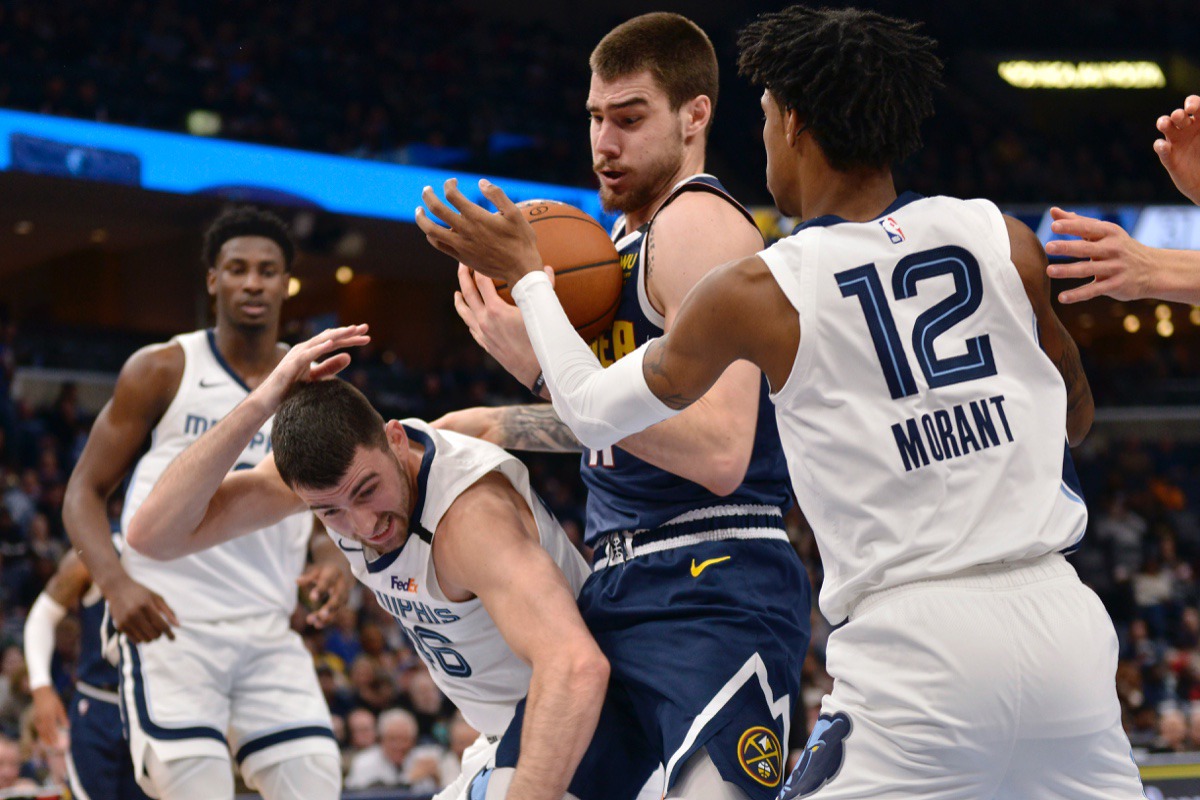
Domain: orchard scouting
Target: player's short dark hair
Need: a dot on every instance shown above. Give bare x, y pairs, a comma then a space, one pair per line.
675, 50
317, 430
860, 81
247, 221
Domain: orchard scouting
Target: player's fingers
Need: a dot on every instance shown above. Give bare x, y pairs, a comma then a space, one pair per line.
1083, 227
468, 283
466, 314
487, 291
443, 245
1163, 148
1073, 248
439, 208
329, 367
499, 199
1061, 213
1080, 269
455, 197
1192, 104
1088, 291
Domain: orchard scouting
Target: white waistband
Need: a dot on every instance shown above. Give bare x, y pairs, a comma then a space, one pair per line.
97, 694
625, 548
999, 576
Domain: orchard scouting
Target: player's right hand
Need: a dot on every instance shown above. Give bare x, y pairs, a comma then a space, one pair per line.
1179, 151
49, 717
139, 613
496, 325
1120, 266
310, 361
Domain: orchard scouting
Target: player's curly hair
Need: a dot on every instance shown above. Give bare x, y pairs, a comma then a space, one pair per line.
246, 221
317, 430
860, 81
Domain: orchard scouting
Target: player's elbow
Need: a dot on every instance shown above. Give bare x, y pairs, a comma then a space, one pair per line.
140, 538
586, 669
1079, 421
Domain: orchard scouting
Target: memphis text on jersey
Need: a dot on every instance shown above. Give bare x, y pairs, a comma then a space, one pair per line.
195, 426
946, 434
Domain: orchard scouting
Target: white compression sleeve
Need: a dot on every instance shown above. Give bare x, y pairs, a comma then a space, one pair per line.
44, 616
600, 406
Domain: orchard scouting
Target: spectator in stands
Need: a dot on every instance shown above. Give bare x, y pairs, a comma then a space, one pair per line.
10, 767
393, 762
428, 706
1120, 266
372, 686
360, 732
1172, 732
462, 736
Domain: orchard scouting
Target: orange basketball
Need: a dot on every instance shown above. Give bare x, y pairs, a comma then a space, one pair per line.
587, 268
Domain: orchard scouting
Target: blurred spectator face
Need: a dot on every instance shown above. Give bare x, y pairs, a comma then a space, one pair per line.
361, 726
372, 640
326, 679
425, 695
462, 736
1172, 729
10, 762
397, 737
634, 161
12, 662
362, 674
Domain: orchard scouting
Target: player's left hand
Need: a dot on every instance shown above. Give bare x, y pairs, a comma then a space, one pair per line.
500, 245
1120, 266
311, 361
496, 325
327, 587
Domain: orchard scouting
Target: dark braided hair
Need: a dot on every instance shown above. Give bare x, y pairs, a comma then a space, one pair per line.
860, 81
246, 221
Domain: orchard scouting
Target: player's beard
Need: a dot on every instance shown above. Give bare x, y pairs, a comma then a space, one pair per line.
653, 179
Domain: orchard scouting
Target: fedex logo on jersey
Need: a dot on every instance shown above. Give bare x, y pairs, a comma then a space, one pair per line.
409, 585
892, 229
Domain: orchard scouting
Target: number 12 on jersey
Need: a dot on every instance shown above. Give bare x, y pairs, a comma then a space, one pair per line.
863, 284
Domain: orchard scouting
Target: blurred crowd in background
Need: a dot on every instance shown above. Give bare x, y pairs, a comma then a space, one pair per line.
505, 94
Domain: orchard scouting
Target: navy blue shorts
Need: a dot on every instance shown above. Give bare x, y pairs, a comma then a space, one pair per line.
705, 642
101, 766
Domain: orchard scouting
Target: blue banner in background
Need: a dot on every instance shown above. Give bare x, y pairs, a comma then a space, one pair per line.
184, 164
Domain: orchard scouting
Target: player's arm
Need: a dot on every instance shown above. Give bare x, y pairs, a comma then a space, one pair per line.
710, 443
61, 593
487, 544
327, 580
1179, 150
1030, 260
197, 503
143, 392
533, 428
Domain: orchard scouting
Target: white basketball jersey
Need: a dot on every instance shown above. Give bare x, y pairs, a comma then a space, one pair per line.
250, 575
924, 427
466, 654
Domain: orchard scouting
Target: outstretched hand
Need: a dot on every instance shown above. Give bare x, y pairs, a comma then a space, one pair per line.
1179, 151
501, 245
1120, 266
310, 361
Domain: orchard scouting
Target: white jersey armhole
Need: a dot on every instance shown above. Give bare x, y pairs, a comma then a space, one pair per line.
795, 283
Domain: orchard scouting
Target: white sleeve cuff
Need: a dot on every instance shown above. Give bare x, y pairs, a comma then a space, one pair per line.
600, 406
44, 616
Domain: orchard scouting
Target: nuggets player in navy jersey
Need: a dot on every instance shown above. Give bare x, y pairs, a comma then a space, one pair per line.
925, 393
232, 682
697, 597
98, 760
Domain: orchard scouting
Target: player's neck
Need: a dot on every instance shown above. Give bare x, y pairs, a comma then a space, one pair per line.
857, 196
692, 164
251, 352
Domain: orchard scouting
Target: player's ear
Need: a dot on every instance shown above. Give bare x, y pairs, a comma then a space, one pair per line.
397, 439
210, 281
697, 115
793, 125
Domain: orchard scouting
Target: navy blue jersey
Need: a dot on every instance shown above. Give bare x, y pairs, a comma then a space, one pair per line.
626, 493
93, 668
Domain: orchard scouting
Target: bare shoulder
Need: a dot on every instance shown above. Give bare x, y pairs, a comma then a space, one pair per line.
149, 380
706, 219
492, 500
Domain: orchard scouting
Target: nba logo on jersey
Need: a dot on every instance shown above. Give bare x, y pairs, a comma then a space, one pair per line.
892, 229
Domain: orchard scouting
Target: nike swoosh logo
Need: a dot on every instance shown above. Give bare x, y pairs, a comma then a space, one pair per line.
204, 385
696, 570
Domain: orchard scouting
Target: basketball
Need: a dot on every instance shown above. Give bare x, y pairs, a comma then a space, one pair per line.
587, 268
